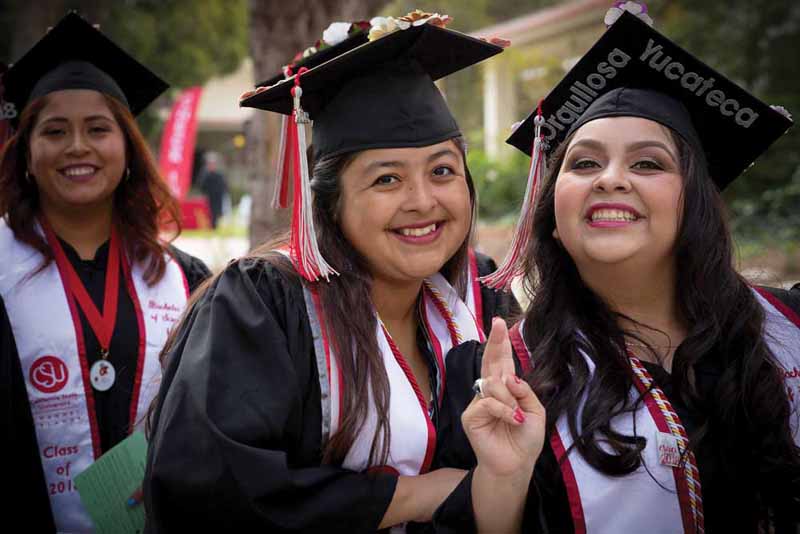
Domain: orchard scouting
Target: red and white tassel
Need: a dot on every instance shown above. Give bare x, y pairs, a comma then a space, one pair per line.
513, 264
303, 247
280, 197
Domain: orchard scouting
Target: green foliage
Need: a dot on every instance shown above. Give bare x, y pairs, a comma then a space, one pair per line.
469, 15
185, 41
500, 184
755, 43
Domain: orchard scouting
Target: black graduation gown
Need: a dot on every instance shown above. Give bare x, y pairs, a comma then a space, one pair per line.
237, 442
26, 488
727, 490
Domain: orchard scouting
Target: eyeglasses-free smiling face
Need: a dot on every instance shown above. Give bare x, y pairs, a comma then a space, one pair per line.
77, 151
406, 210
618, 194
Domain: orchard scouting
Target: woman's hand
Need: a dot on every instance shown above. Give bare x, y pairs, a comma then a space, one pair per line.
416, 498
506, 427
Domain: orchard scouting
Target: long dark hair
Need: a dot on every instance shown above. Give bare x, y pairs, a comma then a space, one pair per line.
352, 320
747, 410
142, 202
346, 303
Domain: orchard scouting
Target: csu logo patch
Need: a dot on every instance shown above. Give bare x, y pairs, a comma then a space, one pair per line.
49, 374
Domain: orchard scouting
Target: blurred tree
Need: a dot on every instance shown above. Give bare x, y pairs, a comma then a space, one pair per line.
278, 30
186, 42
754, 42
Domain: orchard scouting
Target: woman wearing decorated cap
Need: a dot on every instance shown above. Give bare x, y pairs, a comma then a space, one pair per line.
303, 389
88, 290
670, 384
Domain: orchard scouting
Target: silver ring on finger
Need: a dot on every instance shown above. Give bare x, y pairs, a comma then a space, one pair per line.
477, 388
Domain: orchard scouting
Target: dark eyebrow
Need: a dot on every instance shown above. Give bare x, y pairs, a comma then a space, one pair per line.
441, 153
644, 144
597, 145
400, 164
56, 118
383, 164
588, 143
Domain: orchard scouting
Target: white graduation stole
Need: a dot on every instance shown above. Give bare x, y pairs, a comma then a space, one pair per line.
448, 322
46, 330
595, 498
782, 334
413, 437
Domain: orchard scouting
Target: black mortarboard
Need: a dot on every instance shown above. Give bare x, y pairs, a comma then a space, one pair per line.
633, 70
75, 55
381, 94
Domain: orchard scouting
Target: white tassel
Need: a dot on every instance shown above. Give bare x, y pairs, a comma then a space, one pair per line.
312, 265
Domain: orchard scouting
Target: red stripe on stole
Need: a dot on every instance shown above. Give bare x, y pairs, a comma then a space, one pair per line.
780, 306
678, 472
476, 290
401, 361
567, 474
137, 381
438, 353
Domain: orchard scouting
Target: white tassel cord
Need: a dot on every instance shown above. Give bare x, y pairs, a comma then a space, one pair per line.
311, 258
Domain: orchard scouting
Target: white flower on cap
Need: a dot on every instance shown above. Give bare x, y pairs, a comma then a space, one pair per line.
336, 33
385, 25
635, 8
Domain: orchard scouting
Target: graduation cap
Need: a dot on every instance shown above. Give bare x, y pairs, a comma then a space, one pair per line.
75, 55
380, 94
633, 70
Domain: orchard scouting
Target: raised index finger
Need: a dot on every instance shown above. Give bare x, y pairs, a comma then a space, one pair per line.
498, 359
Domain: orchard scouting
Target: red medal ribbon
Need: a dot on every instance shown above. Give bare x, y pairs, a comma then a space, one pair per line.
102, 324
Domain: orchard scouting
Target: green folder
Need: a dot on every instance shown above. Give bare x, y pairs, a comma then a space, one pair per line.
106, 485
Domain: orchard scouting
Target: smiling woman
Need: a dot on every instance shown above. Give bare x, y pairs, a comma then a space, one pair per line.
397, 203
305, 401
668, 380
77, 155
618, 198
89, 288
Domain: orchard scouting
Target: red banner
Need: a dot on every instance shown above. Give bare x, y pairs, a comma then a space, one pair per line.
177, 143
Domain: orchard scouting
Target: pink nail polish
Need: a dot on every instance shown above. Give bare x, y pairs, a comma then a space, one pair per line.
519, 416
516, 379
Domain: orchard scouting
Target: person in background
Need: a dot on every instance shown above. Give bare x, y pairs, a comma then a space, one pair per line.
212, 182
298, 399
88, 289
670, 384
